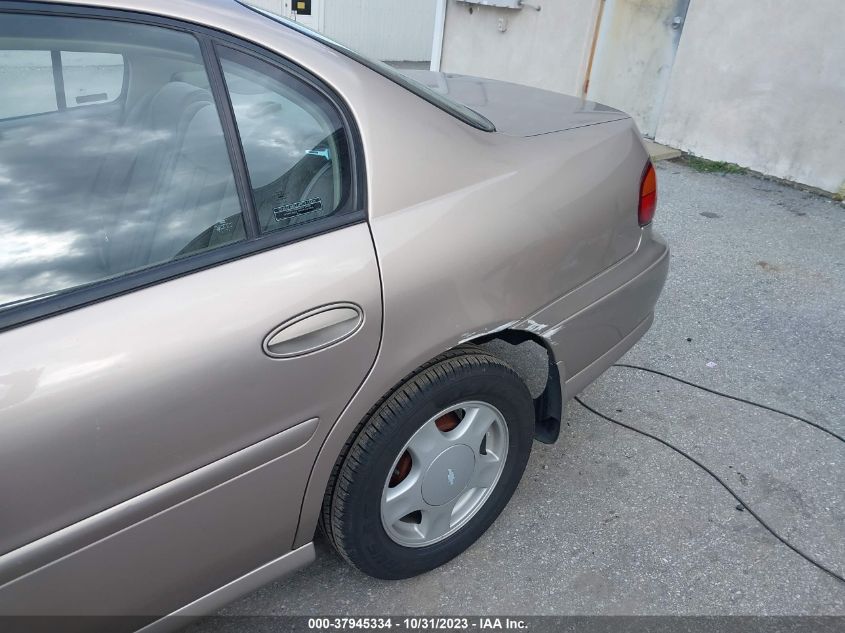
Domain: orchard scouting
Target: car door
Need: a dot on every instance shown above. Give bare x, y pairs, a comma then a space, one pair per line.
187, 292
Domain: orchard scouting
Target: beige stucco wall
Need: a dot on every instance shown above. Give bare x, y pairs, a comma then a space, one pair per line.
547, 49
762, 84
395, 30
759, 83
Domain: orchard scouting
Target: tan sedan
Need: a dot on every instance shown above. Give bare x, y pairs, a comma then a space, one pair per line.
251, 282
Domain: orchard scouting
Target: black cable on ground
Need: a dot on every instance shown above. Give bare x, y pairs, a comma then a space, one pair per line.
730, 397
795, 549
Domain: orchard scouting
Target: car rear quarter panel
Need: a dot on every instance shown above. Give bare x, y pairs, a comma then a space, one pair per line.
533, 219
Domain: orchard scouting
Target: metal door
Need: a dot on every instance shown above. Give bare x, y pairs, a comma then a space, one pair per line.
156, 417
635, 50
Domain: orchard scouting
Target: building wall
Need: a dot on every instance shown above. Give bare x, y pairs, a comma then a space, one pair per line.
546, 49
395, 30
762, 84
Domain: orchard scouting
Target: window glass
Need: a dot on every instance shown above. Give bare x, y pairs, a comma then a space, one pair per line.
90, 194
91, 77
294, 142
26, 83
34, 76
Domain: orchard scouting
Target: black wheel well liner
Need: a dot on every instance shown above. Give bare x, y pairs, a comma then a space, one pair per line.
548, 406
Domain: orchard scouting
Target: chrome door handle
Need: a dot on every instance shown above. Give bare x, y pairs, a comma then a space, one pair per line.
314, 330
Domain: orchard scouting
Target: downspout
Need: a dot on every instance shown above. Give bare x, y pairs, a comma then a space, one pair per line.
595, 42
439, 28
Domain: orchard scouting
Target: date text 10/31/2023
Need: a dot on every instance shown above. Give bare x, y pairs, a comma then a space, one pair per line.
418, 623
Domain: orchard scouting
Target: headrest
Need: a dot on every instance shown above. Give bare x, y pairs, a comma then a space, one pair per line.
204, 146
171, 102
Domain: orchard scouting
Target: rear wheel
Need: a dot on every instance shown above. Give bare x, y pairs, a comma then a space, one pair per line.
432, 467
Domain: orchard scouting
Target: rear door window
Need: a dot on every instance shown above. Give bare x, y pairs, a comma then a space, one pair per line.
95, 193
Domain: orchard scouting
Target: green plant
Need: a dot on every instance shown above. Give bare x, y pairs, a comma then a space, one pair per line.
713, 166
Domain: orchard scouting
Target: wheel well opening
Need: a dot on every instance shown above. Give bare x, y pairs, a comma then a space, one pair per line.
531, 358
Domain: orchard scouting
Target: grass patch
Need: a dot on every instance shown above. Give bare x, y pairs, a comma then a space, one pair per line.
713, 166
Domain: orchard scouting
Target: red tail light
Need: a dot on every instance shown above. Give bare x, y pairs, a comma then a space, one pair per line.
648, 195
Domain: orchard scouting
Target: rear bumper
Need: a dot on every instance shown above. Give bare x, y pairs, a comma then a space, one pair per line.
592, 326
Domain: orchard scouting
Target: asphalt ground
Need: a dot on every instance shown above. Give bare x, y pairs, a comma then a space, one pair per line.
609, 522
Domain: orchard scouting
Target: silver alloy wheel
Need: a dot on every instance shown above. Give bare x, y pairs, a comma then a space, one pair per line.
449, 477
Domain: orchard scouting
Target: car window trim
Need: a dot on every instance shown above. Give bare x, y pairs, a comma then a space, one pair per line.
226, 114
350, 126
39, 308
220, 49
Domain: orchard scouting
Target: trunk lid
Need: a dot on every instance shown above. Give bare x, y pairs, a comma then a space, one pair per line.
517, 110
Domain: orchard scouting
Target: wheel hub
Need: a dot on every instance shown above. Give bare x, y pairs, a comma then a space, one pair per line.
444, 474
448, 475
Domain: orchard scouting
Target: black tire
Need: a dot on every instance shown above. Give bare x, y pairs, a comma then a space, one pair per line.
351, 509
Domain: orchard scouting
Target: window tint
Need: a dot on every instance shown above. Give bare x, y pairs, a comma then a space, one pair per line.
90, 194
294, 142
